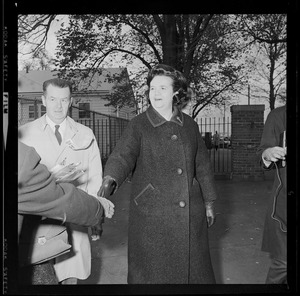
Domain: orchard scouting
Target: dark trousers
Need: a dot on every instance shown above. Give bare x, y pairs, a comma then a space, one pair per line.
277, 273
39, 274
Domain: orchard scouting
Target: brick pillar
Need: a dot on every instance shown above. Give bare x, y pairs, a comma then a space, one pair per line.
246, 131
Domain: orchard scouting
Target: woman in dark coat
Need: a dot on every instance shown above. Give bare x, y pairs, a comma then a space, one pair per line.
272, 156
172, 188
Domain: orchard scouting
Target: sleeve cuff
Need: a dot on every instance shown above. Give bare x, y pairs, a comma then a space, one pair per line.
266, 163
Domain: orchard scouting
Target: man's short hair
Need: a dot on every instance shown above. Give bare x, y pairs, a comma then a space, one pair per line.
62, 83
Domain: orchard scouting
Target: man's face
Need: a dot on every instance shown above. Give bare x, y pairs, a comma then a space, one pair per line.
57, 102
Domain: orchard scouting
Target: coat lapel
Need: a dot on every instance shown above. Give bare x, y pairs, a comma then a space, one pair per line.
70, 132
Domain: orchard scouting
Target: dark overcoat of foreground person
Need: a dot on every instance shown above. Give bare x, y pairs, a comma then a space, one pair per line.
272, 153
39, 197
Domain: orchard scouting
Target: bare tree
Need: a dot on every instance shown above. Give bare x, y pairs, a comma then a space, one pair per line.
269, 34
33, 31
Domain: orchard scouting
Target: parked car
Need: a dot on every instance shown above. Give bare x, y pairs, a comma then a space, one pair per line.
225, 142
207, 138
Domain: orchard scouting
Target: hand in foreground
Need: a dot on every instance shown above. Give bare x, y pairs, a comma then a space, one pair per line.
109, 207
97, 231
210, 213
274, 154
108, 187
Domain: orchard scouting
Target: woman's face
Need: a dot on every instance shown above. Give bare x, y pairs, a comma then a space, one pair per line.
161, 93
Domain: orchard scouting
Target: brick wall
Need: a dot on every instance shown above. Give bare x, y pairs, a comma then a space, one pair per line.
247, 127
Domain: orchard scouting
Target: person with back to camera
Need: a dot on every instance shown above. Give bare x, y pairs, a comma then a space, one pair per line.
272, 155
173, 190
216, 140
40, 196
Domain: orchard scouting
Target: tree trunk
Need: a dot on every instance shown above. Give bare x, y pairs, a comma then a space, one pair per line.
169, 41
271, 84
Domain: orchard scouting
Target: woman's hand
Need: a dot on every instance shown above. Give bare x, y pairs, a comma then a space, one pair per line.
210, 213
108, 187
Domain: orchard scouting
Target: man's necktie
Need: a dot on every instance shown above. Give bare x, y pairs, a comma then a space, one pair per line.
57, 134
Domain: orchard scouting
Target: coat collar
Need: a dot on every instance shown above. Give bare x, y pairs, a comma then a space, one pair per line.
156, 119
70, 123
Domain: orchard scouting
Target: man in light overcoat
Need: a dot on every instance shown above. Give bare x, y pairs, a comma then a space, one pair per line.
58, 139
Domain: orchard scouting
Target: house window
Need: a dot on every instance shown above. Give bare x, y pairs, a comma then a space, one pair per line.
43, 110
31, 112
84, 110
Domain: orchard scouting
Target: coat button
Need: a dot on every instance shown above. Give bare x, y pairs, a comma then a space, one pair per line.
182, 204
174, 138
179, 171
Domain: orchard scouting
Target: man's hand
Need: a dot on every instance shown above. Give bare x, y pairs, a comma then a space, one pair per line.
210, 213
274, 154
109, 207
97, 231
108, 187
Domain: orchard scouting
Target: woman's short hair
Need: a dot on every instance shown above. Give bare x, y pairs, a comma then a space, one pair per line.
61, 83
180, 84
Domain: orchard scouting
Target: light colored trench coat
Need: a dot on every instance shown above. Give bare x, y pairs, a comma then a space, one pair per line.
82, 148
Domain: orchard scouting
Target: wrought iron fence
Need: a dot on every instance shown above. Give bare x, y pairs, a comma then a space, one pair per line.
107, 129
220, 156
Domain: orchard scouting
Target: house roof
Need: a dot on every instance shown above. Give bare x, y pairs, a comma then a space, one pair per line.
32, 81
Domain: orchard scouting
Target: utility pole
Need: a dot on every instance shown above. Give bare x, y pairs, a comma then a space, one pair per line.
224, 121
248, 94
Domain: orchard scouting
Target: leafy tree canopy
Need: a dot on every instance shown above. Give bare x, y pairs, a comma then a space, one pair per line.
197, 45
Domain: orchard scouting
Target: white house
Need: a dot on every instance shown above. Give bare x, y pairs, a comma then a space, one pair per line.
89, 95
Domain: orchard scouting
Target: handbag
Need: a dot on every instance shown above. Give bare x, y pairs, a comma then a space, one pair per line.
48, 240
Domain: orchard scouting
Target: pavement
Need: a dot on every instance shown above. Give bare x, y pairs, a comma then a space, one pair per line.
235, 238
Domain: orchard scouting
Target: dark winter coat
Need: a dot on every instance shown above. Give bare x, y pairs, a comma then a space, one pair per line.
172, 177
274, 236
38, 194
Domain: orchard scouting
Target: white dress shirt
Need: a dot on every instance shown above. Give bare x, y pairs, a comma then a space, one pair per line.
62, 126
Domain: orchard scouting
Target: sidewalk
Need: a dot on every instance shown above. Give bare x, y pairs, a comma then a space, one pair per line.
235, 239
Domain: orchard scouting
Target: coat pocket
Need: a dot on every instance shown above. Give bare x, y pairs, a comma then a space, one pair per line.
195, 182
149, 202
145, 192
196, 199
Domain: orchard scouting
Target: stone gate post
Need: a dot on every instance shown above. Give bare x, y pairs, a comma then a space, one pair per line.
246, 131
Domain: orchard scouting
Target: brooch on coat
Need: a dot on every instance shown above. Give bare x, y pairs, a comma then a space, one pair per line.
84, 144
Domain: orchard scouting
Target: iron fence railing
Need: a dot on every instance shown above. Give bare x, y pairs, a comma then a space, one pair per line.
107, 129
220, 156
